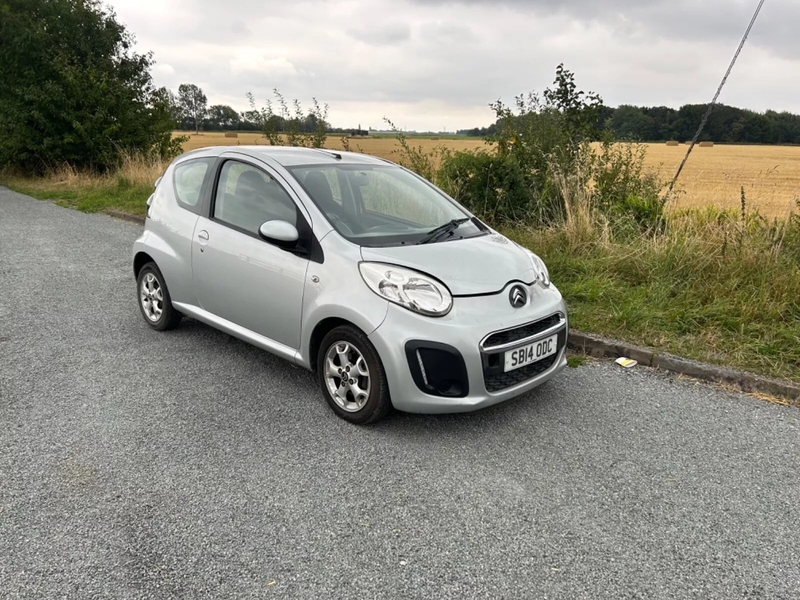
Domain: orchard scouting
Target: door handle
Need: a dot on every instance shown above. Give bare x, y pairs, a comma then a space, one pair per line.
202, 235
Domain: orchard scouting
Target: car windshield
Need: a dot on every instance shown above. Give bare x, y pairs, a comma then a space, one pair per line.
377, 205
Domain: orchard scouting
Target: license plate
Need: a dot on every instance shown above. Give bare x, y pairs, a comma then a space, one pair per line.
531, 353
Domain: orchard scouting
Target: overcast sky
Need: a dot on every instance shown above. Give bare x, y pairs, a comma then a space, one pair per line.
436, 64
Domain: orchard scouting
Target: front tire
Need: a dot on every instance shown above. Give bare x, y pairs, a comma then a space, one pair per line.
154, 301
351, 376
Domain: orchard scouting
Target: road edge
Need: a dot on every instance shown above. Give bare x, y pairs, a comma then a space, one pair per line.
123, 216
601, 347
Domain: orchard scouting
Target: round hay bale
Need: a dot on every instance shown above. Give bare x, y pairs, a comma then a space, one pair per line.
231, 134
672, 143
706, 144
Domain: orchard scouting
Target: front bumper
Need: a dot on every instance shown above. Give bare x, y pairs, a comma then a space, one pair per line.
469, 322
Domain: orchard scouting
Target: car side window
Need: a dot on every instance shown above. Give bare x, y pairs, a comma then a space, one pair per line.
188, 178
247, 197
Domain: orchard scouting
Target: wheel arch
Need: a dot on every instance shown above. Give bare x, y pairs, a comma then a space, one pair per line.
320, 319
322, 329
140, 260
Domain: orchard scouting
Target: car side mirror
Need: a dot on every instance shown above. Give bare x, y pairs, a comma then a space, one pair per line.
281, 233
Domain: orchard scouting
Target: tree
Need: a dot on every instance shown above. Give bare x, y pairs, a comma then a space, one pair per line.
631, 123
580, 111
73, 91
222, 117
167, 111
546, 137
172, 104
193, 102
250, 120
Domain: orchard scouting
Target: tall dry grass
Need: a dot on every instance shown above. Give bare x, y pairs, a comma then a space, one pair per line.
135, 170
125, 189
720, 286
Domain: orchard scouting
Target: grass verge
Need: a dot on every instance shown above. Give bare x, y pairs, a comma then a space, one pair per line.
125, 190
96, 198
706, 289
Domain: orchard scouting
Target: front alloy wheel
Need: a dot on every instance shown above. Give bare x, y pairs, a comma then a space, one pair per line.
352, 377
347, 376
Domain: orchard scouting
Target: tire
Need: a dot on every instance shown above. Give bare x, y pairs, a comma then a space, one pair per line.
154, 300
365, 401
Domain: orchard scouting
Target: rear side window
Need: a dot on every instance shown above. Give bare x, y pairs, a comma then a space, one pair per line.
188, 178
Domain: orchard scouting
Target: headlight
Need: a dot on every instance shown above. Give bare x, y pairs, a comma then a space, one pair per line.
410, 289
540, 269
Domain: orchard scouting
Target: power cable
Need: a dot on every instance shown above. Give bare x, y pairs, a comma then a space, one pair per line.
713, 102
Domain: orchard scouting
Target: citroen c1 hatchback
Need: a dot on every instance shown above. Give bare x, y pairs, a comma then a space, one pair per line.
354, 268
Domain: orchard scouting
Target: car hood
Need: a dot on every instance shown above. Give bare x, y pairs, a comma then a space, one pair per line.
479, 265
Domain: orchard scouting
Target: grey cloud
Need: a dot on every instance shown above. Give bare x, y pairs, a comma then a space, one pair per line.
239, 28
709, 20
386, 34
466, 54
447, 32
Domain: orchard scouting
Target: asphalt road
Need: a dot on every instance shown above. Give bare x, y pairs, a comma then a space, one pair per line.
187, 464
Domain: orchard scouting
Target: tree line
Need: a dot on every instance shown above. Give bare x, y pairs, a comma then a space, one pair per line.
727, 124
191, 112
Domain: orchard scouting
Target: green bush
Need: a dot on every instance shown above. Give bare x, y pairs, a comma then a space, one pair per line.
545, 163
493, 187
548, 137
623, 190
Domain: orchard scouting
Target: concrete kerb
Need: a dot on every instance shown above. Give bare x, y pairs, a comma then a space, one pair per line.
599, 347
118, 214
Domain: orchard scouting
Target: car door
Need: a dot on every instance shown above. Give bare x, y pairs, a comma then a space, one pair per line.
237, 275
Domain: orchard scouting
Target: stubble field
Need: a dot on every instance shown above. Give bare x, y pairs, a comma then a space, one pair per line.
714, 176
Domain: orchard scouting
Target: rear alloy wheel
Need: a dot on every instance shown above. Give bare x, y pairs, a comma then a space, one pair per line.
154, 300
352, 377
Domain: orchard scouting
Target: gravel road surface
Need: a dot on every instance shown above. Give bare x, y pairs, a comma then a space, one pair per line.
136, 464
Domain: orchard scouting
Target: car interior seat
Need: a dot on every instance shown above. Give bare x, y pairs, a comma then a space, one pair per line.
317, 185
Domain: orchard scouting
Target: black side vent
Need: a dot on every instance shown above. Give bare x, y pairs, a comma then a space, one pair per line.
437, 369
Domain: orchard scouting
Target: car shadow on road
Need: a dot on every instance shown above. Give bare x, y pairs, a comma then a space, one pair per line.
530, 406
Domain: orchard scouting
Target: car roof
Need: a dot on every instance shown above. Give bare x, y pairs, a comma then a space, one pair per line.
289, 156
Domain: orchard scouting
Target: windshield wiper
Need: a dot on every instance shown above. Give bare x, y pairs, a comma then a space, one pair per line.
442, 230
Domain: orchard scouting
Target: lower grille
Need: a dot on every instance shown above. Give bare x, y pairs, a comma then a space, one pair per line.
501, 381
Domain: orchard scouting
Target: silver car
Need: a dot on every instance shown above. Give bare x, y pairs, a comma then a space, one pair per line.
354, 268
